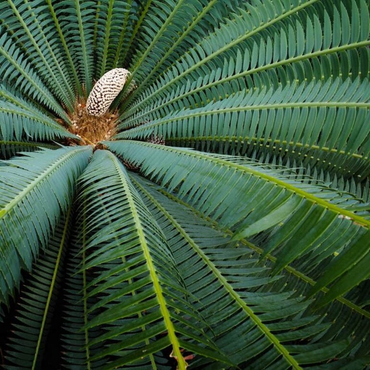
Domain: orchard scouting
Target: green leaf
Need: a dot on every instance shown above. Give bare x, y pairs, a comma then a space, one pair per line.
157, 289
344, 261
46, 274
275, 217
32, 198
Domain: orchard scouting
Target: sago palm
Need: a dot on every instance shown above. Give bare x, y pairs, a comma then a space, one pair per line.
216, 216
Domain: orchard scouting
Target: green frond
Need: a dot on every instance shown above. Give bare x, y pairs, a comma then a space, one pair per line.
12, 95
172, 38
110, 33
178, 33
15, 70
35, 189
158, 23
157, 27
258, 243
75, 21
264, 55
223, 221
75, 342
80, 16
140, 292
318, 123
287, 203
213, 46
67, 51
23, 127
36, 304
10, 148
129, 49
40, 47
19, 123
226, 270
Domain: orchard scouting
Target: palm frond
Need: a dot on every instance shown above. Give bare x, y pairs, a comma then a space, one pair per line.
17, 122
294, 205
141, 305
173, 42
265, 55
27, 29
37, 301
317, 123
67, 51
75, 342
156, 26
205, 254
109, 32
298, 269
35, 189
16, 70
240, 242
11, 94
10, 148
128, 50
76, 22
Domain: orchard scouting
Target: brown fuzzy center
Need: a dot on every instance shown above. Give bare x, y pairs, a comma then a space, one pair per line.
92, 129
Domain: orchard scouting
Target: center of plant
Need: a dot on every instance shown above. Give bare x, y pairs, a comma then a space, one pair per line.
92, 129
91, 119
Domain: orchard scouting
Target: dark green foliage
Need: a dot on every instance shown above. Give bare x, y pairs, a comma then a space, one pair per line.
242, 242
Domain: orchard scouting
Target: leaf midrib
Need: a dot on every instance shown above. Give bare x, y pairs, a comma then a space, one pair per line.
31, 116
169, 52
156, 38
51, 288
263, 328
31, 144
267, 142
266, 67
30, 36
226, 47
66, 49
294, 190
106, 37
152, 270
84, 288
273, 259
202, 112
41, 177
55, 106
88, 81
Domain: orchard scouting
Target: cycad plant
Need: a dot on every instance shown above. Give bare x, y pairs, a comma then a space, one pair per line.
217, 216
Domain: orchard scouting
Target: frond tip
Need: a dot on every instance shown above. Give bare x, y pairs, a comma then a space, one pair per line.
105, 91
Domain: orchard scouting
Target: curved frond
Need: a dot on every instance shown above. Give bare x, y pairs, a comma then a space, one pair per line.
142, 305
110, 33
35, 189
318, 123
290, 204
171, 40
19, 123
37, 302
14, 69
77, 24
128, 50
12, 95
10, 148
265, 54
204, 254
41, 48
66, 49
225, 225
75, 342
